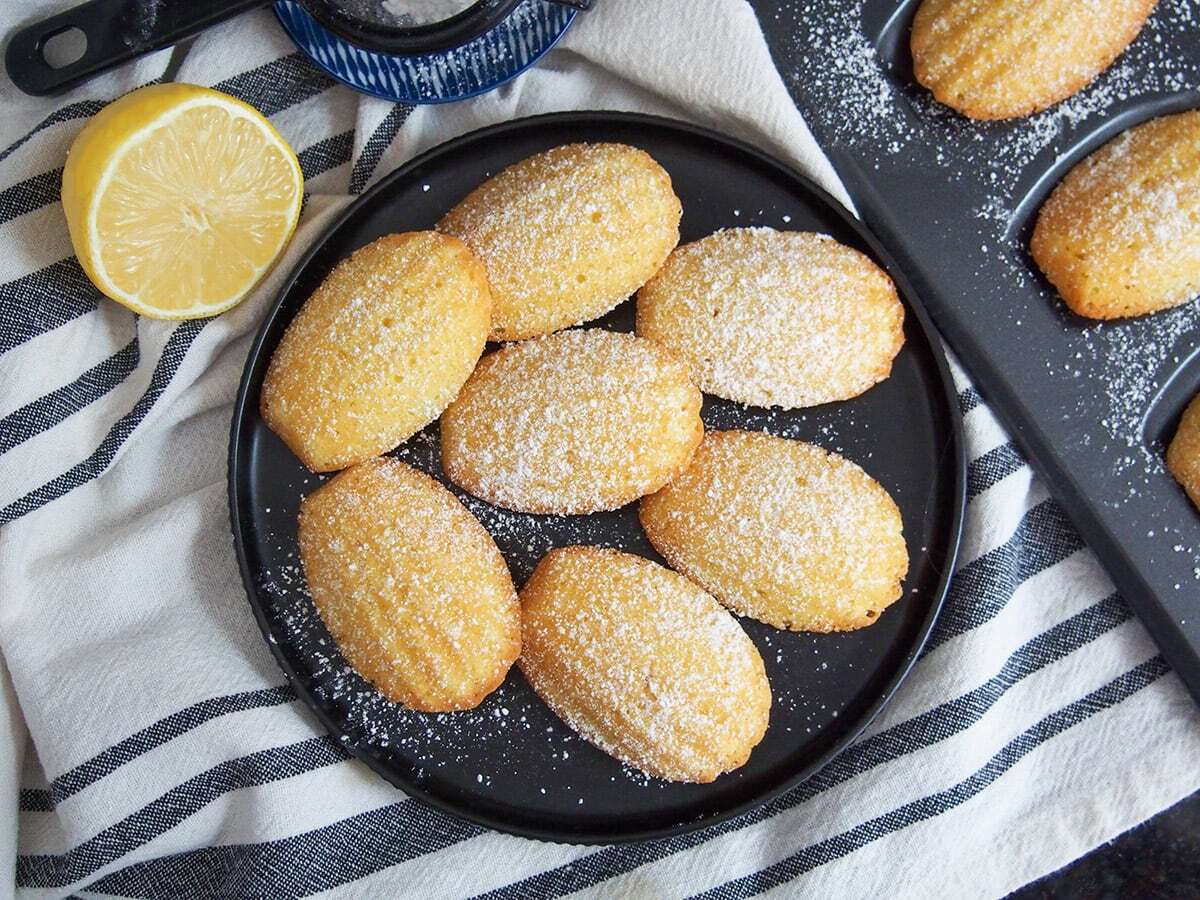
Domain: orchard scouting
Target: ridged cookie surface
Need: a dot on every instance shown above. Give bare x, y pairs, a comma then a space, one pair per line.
410, 585
1120, 236
378, 350
775, 318
996, 59
574, 422
781, 531
1183, 454
643, 663
568, 234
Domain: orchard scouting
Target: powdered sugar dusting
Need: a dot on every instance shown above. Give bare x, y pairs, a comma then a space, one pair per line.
658, 675
782, 531
775, 318
567, 234
994, 59
1120, 235
434, 624
575, 422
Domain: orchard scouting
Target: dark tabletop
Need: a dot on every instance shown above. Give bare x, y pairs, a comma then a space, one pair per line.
1158, 859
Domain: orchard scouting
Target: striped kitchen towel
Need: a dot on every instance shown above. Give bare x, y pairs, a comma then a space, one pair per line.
149, 741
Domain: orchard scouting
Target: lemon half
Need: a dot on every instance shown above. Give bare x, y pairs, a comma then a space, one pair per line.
178, 199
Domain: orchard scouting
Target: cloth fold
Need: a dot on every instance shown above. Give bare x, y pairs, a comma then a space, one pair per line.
166, 755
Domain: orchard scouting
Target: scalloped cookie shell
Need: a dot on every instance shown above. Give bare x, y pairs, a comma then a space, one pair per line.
379, 349
775, 318
575, 422
643, 664
410, 585
1120, 235
1000, 59
1183, 453
568, 234
781, 531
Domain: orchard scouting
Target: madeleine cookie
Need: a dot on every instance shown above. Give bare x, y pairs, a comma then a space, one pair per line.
996, 59
642, 663
378, 350
574, 422
410, 585
568, 234
1120, 236
775, 318
781, 531
1183, 454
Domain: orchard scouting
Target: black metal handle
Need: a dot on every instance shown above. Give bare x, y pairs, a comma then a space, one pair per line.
116, 32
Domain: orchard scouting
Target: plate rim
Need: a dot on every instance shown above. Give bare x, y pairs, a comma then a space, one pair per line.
956, 455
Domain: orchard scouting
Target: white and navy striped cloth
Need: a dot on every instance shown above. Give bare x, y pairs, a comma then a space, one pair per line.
148, 740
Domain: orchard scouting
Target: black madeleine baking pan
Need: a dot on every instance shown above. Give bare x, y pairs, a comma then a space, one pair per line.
1091, 405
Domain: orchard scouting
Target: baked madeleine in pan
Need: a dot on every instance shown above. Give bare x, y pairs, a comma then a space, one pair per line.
1120, 236
1183, 453
998, 59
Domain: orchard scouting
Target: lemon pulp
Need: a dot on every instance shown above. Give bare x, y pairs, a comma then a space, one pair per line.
179, 202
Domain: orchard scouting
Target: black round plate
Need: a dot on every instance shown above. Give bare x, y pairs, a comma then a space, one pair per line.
511, 764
